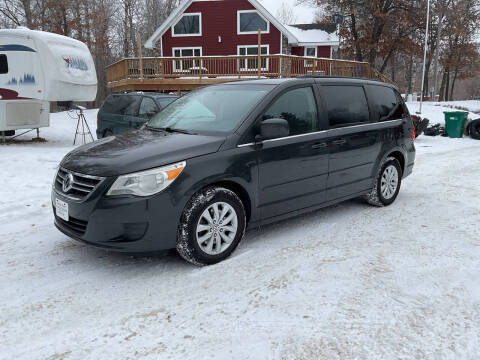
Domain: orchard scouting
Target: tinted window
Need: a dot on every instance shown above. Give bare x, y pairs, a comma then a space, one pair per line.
299, 108
122, 104
3, 64
163, 102
211, 109
148, 107
251, 22
346, 105
188, 24
387, 105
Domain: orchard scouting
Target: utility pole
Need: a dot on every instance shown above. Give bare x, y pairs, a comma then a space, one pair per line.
425, 56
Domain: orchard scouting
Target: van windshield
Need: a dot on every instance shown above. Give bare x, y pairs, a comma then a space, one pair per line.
211, 109
122, 105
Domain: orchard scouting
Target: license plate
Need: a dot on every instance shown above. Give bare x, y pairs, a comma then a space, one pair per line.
61, 209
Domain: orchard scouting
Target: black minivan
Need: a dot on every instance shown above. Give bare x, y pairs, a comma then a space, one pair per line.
235, 155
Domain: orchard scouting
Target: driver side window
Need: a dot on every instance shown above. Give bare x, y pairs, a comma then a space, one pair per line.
299, 108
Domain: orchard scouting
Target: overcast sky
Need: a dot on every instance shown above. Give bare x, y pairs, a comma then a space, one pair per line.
303, 14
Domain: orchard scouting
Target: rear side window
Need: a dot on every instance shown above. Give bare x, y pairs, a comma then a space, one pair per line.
3, 64
388, 106
346, 105
122, 105
148, 107
299, 108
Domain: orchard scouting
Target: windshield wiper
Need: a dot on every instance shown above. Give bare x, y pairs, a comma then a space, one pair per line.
181, 131
153, 128
170, 130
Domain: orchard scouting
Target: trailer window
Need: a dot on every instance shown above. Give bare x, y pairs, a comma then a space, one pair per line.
3, 64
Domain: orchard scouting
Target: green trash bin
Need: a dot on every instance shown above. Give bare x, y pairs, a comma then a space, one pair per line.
455, 123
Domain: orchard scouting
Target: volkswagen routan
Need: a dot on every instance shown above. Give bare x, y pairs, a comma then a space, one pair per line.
231, 156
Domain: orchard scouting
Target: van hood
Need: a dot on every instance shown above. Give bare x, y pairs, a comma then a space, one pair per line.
138, 150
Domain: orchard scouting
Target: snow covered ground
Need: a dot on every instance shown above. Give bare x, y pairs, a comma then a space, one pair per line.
346, 282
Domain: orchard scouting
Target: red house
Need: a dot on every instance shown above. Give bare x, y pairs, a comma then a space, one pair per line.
230, 27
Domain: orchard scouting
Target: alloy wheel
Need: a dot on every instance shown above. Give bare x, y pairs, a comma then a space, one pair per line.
217, 228
389, 182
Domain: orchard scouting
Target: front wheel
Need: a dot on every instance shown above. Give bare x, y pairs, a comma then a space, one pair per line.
212, 225
387, 184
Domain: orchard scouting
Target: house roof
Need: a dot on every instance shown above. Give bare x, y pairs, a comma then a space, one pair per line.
315, 34
290, 32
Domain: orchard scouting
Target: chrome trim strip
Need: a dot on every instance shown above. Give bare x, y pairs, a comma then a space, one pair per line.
392, 122
82, 175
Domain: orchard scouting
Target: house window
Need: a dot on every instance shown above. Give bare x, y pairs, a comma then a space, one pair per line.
251, 64
250, 21
189, 64
310, 52
189, 25
3, 64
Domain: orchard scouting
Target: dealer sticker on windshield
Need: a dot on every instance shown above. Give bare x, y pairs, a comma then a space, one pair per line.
61, 208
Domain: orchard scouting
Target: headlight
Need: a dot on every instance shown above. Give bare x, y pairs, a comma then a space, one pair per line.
146, 183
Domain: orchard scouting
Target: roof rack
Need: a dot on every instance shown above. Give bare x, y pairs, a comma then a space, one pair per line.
334, 77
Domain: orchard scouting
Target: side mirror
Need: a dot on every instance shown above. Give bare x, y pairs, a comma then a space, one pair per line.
274, 128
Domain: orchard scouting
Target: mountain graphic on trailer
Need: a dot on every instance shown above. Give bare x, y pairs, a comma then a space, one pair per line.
28, 79
75, 63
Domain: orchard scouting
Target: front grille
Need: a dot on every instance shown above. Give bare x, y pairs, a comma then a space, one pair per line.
75, 226
81, 187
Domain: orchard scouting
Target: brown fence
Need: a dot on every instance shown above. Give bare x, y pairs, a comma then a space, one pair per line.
234, 67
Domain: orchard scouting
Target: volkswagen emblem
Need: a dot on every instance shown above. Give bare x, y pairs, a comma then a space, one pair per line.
67, 183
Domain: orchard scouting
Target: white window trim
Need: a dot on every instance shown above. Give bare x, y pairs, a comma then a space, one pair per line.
246, 60
187, 35
181, 62
307, 63
251, 32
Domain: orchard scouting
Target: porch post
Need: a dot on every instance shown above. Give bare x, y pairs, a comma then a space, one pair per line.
139, 48
259, 53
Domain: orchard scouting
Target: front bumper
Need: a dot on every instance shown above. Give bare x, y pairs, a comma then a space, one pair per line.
128, 224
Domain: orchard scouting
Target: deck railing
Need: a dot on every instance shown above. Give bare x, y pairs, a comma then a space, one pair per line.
235, 67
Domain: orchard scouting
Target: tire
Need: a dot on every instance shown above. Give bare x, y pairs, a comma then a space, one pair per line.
201, 240
107, 133
474, 127
383, 194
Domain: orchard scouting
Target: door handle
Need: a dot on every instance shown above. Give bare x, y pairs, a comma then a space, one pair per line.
339, 142
319, 146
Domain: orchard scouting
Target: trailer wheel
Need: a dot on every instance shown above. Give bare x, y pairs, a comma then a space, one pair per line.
7, 133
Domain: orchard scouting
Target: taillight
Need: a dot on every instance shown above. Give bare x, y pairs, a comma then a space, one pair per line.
413, 128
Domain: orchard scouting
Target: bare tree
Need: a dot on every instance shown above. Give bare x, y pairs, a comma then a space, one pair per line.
286, 15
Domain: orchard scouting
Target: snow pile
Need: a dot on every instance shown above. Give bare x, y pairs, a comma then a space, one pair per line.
470, 105
435, 111
347, 282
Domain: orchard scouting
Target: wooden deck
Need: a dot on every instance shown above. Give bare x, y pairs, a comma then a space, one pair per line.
184, 74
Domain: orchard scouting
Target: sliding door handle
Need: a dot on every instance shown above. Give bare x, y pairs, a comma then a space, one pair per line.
339, 142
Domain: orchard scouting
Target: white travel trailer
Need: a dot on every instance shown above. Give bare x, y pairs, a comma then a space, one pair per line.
38, 67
